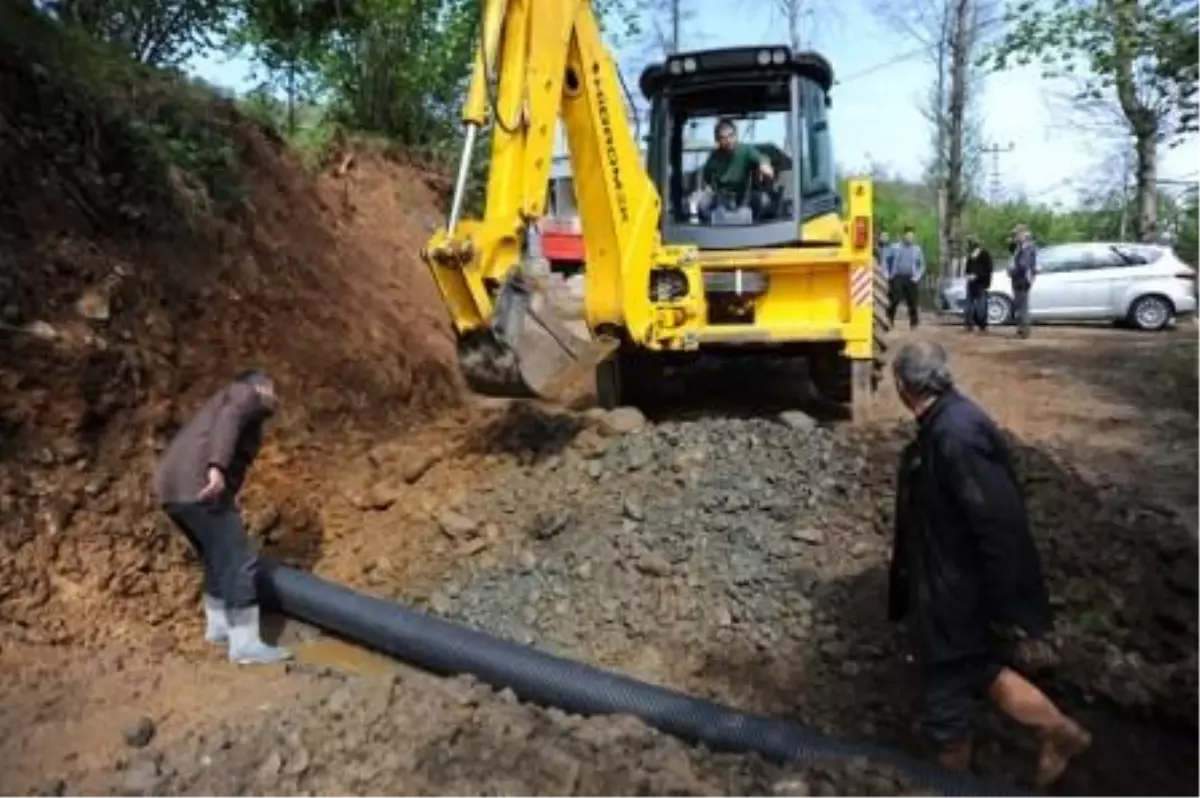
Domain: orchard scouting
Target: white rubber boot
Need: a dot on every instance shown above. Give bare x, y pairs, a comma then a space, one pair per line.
246, 647
216, 629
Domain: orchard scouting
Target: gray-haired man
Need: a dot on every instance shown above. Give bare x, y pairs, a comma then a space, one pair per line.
965, 575
1022, 274
197, 481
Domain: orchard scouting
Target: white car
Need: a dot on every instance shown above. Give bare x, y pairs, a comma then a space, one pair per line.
1145, 285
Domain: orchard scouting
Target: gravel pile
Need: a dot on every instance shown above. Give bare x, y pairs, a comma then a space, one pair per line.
737, 558
745, 560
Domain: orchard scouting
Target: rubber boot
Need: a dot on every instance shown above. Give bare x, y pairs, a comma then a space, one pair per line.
246, 646
216, 628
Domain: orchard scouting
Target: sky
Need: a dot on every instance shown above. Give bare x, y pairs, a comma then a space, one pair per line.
877, 100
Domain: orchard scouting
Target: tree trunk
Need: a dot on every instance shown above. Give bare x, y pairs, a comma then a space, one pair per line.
1143, 121
955, 195
940, 174
1147, 184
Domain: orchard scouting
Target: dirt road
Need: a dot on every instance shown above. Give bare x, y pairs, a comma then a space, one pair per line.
733, 555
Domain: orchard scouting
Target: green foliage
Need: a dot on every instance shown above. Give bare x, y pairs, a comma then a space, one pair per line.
1181, 61
119, 141
396, 68
308, 129
1187, 234
899, 204
1141, 52
154, 32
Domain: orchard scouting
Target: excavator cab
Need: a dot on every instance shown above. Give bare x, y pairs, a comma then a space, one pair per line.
778, 103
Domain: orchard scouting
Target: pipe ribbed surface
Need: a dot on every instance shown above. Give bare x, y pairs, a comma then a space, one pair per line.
536, 676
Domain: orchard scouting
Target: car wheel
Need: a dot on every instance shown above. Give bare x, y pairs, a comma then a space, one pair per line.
999, 310
1150, 313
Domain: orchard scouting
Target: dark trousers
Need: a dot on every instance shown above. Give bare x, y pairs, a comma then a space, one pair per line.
1021, 310
975, 314
219, 537
903, 288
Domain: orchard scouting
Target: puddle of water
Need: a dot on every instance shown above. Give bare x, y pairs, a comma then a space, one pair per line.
332, 653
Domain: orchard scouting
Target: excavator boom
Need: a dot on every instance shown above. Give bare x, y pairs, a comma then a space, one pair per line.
540, 61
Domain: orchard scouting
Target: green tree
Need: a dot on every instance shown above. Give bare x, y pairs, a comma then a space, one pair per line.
1187, 240
1139, 54
154, 32
1181, 63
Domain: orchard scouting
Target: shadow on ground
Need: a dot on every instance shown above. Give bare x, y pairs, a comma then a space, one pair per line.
528, 432
738, 387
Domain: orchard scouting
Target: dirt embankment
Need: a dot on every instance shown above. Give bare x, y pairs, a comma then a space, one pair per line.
153, 242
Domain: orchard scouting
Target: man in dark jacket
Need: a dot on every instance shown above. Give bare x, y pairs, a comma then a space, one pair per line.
965, 575
979, 280
1022, 274
197, 482
883, 252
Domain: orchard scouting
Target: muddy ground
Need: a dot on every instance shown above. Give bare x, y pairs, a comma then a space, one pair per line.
735, 554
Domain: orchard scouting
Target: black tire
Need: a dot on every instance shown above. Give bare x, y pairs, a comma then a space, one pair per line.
609, 387
1151, 313
880, 329
627, 378
1002, 302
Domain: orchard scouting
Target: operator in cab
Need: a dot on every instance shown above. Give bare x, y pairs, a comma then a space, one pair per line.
725, 177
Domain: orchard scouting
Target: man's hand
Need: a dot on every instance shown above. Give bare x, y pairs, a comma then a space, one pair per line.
1035, 655
214, 486
765, 169
1032, 654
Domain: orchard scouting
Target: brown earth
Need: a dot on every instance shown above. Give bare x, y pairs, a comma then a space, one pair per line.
379, 516
115, 328
124, 303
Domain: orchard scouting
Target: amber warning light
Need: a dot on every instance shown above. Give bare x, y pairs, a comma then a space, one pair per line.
861, 232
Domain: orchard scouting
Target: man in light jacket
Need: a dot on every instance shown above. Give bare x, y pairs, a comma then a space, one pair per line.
906, 266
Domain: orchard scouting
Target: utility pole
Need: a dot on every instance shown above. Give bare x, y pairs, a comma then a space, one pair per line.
995, 150
676, 15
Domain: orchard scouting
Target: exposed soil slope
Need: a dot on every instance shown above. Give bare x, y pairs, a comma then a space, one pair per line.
152, 243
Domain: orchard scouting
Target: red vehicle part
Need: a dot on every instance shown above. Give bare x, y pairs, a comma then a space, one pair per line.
562, 242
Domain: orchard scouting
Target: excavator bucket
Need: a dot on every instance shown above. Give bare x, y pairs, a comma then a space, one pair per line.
528, 352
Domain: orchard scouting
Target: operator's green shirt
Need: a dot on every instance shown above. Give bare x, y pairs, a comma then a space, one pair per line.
729, 172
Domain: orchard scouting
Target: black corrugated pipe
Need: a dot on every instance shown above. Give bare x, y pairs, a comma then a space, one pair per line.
541, 678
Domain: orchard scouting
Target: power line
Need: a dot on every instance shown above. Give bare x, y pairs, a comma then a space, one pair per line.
910, 55
1055, 186
1182, 180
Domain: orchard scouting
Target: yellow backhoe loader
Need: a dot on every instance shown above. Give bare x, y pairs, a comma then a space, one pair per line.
785, 266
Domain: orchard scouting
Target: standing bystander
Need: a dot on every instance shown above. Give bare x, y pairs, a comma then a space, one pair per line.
979, 280
906, 267
1023, 272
